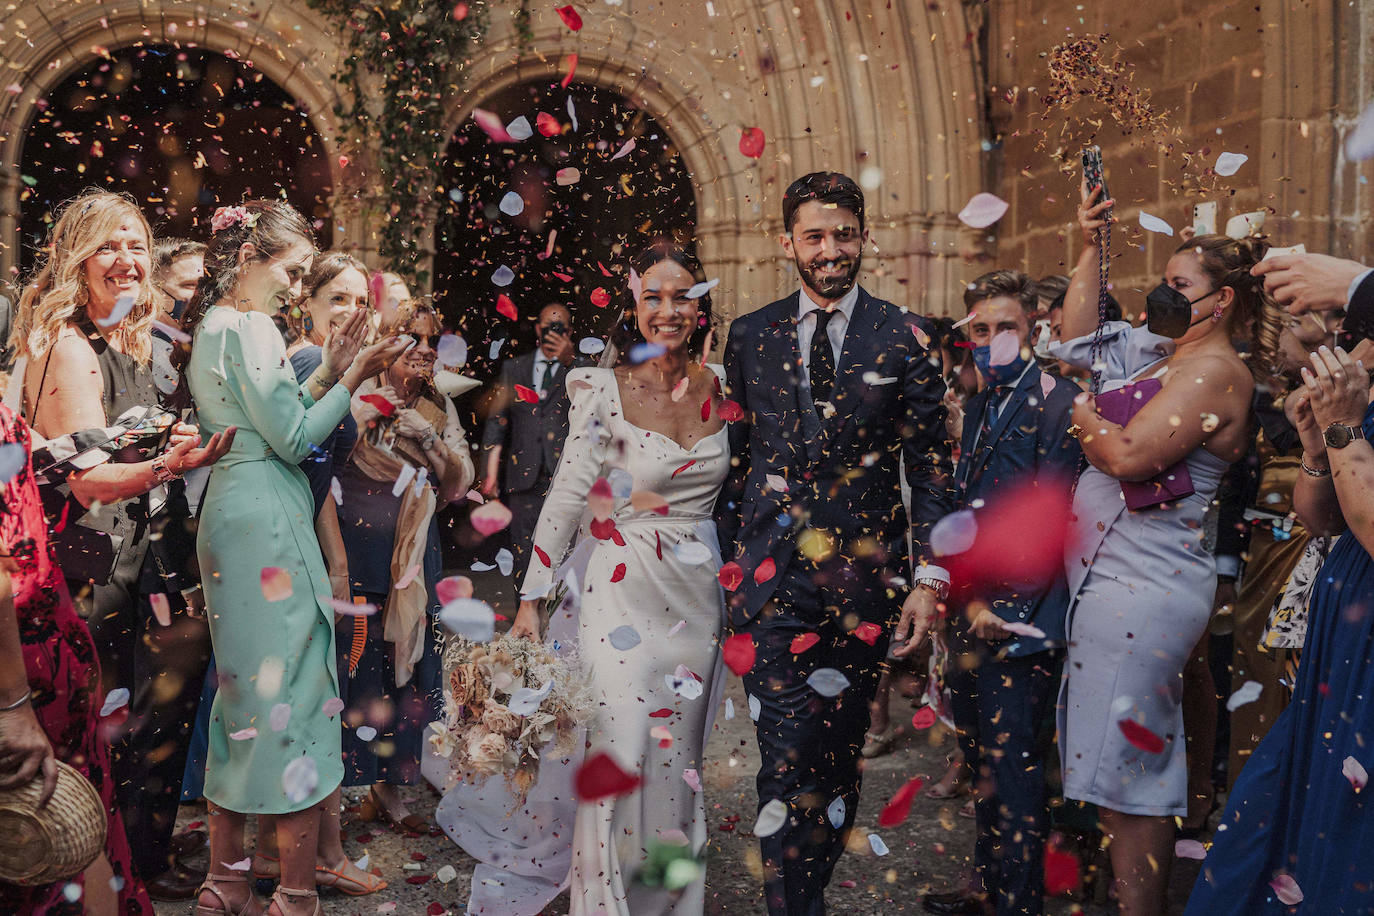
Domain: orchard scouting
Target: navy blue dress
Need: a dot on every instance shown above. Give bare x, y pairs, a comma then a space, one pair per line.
1292, 810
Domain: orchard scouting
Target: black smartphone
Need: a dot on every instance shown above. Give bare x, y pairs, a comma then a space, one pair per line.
1092, 172
554, 327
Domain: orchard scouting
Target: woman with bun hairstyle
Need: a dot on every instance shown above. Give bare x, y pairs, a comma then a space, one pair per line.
274, 729
1178, 396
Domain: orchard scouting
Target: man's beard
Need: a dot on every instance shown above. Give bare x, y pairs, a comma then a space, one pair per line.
831, 287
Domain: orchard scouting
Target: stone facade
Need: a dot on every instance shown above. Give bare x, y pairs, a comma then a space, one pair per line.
924, 102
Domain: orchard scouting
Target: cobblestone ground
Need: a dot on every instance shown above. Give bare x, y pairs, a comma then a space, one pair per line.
928, 851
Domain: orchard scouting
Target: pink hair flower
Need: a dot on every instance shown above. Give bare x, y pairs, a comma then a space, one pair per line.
231, 216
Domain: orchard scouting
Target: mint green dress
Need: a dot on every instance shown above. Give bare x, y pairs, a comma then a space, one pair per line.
274, 732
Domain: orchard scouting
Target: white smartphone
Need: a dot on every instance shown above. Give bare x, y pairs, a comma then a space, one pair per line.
1276, 252
1205, 218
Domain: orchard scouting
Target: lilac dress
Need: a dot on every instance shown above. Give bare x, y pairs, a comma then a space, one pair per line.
1143, 583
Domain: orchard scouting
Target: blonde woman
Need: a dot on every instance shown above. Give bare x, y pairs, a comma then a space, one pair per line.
83, 329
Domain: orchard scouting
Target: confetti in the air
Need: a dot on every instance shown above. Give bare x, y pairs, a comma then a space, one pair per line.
982, 210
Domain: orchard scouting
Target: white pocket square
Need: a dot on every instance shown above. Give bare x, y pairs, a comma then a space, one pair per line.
872, 378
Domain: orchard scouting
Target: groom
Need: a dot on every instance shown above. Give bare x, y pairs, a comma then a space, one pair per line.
837, 388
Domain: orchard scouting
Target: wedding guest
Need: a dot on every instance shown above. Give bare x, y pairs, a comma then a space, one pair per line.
177, 268
406, 431
1296, 827
1141, 578
50, 696
274, 741
524, 439
83, 325
837, 390
1054, 318
1004, 682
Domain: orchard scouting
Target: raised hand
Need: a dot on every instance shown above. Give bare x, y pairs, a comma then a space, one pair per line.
373, 359
1092, 213
1337, 387
1308, 282
185, 455
344, 341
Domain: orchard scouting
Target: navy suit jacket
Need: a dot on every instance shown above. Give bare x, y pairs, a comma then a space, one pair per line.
531, 435
888, 407
1029, 438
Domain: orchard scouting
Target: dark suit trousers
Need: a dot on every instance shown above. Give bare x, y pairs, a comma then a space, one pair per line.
1000, 709
164, 669
524, 516
810, 743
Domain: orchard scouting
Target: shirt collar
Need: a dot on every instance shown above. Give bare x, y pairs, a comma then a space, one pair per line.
846, 304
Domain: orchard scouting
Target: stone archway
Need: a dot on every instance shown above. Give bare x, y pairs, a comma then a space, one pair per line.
829, 90
51, 48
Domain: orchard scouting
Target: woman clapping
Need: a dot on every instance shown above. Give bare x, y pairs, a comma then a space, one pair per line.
274, 738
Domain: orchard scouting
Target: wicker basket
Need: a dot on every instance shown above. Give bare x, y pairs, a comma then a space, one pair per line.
40, 847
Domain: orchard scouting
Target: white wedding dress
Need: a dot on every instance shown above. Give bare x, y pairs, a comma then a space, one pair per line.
648, 634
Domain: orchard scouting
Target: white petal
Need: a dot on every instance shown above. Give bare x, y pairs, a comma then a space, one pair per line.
1248, 692
771, 818
625, 638
827, 682
1229, 163
469, 618
982, 210
512, 204
1152, 223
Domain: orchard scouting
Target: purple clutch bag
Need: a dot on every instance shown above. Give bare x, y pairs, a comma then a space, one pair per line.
1170, 484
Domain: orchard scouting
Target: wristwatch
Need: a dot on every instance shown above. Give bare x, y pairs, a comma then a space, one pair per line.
1338, 435
163, 473
938, 586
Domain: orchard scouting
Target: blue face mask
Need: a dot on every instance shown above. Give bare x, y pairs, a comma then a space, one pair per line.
998, 375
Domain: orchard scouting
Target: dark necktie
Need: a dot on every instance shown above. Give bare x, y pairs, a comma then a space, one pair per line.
547, 378
822, 367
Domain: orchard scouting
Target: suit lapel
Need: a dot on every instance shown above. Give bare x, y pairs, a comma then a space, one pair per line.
969, 440
779, 363
855, 359
1015, 404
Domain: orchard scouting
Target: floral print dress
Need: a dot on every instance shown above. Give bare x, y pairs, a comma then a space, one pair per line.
64, 676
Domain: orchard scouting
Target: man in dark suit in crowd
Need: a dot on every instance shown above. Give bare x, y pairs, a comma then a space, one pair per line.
1003, 685
837, 389
1322, 283
524, 434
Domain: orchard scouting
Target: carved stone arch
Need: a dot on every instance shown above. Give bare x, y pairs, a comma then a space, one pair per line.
55, 47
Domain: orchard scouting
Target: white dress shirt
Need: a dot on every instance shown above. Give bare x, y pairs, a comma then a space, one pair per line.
835, 330
540, 361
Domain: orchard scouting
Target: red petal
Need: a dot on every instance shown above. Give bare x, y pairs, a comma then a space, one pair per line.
616, 537
896, 810
1062, 873
767, 570
705, 410
868, 632
619, 572
729, 411
751, 142
738, 652
658, 544
435, 909
543, 557
385, 407
528, 395
548, 125
685, 466
730, 576
418, 857
600, 298
506, 307
1140, 736
572, 69
460, 12
602, 528
663, 713
802, 642
601, 777
566, 278
570, 17
924, 718
418, 879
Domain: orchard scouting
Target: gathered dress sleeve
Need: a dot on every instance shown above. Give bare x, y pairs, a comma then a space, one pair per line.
583, 461
260, 377
1125, 350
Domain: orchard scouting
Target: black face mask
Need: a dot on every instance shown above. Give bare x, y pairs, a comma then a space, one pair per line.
1169, 313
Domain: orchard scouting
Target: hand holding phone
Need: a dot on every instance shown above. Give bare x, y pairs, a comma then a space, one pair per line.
1093, 174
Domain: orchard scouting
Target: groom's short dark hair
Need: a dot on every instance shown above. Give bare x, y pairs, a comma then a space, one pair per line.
826, 187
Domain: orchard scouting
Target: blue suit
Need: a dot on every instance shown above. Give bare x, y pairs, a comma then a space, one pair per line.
1001, 701
818, 498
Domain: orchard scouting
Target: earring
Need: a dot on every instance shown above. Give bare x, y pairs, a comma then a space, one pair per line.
1216, 312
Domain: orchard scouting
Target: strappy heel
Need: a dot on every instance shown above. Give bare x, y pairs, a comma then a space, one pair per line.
293, 892
211, 885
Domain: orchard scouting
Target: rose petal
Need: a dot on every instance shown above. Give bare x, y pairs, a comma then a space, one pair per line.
332, 707
1354, 771
512, 204
828, 682
570, 17
624, 150
693, 553
692, 778
802, 642
469, 618
954, 534
924, 718
1287, 890
451, 588
520, 129
490, 518
1023, 629
1140, 736
600, 776
765, 571
1248, 692
738, 653
279, 716
299, 779
771, 819
503, 276
506, 307
982, 210
731, 576
275, 583
1152, 223
876, 843
244, 734
547, 124
868, 633
1189, 849
625, 637
751, 142
835, 811
491, 125
899, 806
1003, 348
1229, 163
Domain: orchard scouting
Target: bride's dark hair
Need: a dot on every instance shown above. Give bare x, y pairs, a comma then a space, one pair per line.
625, 335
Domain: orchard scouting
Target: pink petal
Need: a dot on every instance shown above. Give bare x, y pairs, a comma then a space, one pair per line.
1287, 890
600, 499
1354, 771
1003, 348
492, 125
1023, 629
1046, 384
332, 707
1190, 849
490, 518
276, 583
982, 210
453, 588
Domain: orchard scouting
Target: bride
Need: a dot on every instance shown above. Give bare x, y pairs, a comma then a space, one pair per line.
639, 477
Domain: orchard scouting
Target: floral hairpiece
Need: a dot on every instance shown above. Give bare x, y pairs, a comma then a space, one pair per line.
232, 216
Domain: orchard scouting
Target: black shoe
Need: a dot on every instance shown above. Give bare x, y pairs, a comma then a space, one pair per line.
177, 883
188, 843
956, 903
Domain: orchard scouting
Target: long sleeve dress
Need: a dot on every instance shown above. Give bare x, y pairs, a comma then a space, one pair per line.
274, 728
655, 575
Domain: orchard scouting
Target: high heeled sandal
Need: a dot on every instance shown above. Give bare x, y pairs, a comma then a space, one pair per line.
251, 906
294, 892
337, 879
370, 808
